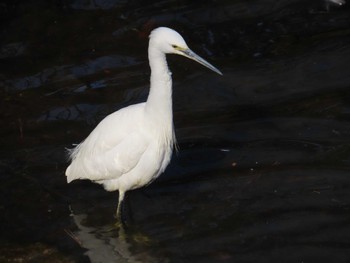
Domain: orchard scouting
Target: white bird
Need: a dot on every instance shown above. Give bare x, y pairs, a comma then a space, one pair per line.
132, 146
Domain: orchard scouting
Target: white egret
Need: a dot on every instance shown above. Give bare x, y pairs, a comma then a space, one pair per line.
132, 146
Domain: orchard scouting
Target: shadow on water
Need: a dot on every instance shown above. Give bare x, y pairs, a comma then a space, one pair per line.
262, 174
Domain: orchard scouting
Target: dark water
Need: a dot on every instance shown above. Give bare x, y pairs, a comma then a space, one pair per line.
263, 170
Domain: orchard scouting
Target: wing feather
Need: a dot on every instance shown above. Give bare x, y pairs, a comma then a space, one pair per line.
110, 150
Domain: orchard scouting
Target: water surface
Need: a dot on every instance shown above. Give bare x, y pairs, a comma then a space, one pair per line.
262, 172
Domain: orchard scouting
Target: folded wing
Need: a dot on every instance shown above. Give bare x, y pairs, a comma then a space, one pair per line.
110, 151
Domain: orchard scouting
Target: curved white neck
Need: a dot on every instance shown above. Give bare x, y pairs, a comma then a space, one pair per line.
160, 94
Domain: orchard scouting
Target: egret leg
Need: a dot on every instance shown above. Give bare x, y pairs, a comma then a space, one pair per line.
120, 206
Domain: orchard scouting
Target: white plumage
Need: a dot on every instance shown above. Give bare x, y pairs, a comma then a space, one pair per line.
133, 146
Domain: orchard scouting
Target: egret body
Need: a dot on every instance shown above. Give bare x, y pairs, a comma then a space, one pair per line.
133, 146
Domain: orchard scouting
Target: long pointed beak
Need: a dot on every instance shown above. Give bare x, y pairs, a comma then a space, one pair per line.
191, 55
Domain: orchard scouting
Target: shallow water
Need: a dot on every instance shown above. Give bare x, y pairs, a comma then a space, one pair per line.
262, 172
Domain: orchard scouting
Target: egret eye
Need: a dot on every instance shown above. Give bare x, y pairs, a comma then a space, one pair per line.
175, 46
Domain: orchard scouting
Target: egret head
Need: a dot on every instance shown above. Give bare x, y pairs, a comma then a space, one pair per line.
169, 41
